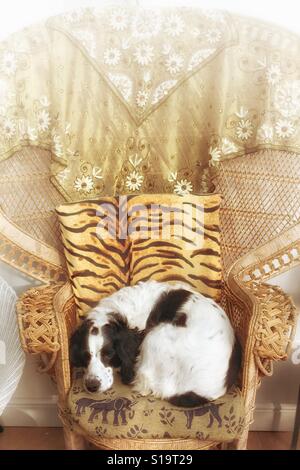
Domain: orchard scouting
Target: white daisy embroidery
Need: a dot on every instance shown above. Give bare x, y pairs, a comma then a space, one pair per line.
112, 56
134, 181
145, 25
119, 20
284, 128
244, 129
85, 184
213, 36
273, 74
143, 54
174, 26
43, 120
174, 63
287, 98
9, 128
183, 187
9, 64
142, 98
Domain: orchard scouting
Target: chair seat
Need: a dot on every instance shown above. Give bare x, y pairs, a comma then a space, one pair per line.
122, 413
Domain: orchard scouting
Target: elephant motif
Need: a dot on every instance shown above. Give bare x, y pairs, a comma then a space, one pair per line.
120, 407
81, 405
211, 408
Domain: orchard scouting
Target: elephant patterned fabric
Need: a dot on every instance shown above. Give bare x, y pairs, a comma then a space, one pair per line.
113, 242
122, 413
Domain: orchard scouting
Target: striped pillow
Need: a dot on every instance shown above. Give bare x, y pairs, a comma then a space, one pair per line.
112, 242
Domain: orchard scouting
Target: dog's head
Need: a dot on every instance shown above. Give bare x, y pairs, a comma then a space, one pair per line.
97, 349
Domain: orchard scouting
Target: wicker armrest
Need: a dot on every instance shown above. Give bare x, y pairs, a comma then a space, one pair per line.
46, 317
265, 319
264, 316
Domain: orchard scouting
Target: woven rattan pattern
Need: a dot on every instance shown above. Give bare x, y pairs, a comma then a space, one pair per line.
27, 195
261, 198
37, 321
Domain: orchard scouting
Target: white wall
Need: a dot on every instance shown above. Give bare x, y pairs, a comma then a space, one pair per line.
34, 400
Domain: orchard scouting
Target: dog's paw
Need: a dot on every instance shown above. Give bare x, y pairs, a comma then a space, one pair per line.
143, 392
142, 388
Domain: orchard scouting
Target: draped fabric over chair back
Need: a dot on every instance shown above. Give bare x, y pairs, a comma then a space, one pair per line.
132, 101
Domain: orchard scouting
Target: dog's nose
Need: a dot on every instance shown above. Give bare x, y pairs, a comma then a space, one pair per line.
92, 385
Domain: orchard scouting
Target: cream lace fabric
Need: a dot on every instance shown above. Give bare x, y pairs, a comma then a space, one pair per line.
135, 101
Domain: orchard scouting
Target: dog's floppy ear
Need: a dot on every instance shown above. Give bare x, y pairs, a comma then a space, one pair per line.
126, 343
79, 352
127, 348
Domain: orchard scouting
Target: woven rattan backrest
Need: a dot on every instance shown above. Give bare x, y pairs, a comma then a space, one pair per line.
27, 196
29, 231
261, 199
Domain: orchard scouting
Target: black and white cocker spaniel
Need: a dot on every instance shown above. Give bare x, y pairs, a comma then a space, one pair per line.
166, 339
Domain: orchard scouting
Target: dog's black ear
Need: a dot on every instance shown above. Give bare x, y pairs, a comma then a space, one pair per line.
108, 352
125, 343
127, 348
79, 352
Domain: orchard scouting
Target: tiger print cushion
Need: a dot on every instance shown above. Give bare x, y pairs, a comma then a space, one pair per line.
112, 242
97, 259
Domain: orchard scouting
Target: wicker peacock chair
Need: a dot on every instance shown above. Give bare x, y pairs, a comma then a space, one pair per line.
259, 179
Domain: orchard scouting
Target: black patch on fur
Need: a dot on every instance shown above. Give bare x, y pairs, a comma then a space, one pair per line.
166, 309
234, 365
122, 345
95, 330
108, 354
180, 319
188, 400
79, 351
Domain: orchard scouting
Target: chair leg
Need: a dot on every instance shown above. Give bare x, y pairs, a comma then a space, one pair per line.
241, 442
73, 441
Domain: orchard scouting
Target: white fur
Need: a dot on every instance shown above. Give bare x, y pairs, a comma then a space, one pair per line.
173, 360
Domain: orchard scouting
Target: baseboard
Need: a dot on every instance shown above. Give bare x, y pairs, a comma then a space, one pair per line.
31, 412
268, 417
43, 412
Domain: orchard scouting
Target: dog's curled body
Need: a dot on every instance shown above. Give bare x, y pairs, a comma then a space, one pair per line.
168, 340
